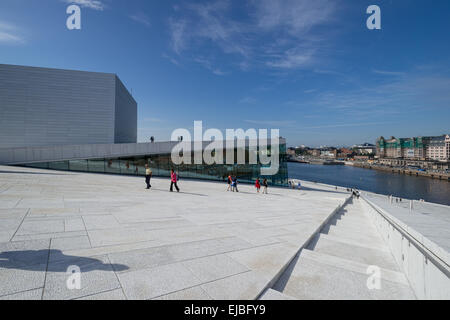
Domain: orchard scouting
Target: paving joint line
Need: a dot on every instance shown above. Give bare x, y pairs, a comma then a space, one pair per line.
28, 211
46, 269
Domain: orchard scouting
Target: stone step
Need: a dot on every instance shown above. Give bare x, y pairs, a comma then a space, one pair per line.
339, 247
361, 233
368, 244
350, 265
311, 279
355, 226
354, 215
359, 238
271, 294
337, 263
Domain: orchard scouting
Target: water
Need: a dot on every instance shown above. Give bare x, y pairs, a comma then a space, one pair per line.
400, 185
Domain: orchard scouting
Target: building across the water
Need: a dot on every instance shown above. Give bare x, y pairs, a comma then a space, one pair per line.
435, 148
438, 148
365, 149
87, 121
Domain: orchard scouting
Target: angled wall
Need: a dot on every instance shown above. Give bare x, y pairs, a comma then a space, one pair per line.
125, 124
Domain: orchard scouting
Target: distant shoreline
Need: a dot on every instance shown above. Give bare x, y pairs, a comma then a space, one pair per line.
432, 175
415, 173
375, 181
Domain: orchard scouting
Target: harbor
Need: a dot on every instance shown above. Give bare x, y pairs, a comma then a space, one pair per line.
377, 181
409, 172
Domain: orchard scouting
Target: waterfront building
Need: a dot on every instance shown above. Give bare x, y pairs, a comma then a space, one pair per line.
365, 149
328, 153
314, 152
344, 153
87, 122
416, 148
438, 148
291, 152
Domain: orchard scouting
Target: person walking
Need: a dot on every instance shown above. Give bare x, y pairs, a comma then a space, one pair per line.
234, 183
229, 183
257, 185
265, 186
148, 176
173, 181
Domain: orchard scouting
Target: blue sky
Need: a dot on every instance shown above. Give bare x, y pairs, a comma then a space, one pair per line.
310, 68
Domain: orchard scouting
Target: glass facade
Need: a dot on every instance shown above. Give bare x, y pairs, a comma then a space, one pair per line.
161, 165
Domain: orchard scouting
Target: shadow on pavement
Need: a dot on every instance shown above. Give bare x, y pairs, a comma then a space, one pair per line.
36, 260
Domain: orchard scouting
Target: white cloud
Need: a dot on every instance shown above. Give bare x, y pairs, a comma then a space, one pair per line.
171, 59
388, 73
178, 34
91, 4
409, 93
9, 34
293, 58
273, 34
142, 18
206, 63
296, 17
208, 22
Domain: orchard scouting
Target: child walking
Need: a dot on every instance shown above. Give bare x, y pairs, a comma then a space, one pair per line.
257, 185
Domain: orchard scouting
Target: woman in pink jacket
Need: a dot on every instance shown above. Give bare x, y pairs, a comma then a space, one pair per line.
173, 181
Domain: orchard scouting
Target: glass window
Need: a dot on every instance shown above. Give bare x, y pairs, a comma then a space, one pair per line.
78, 165
162, 164
40, 165
96, 165
59, 165
127, 166
112, 165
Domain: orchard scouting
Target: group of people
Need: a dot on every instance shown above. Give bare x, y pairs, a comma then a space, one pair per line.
232, 182
295, 184
173, 178
355, 193
264, 185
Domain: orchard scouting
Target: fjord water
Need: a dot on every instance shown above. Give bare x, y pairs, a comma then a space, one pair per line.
400, 185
